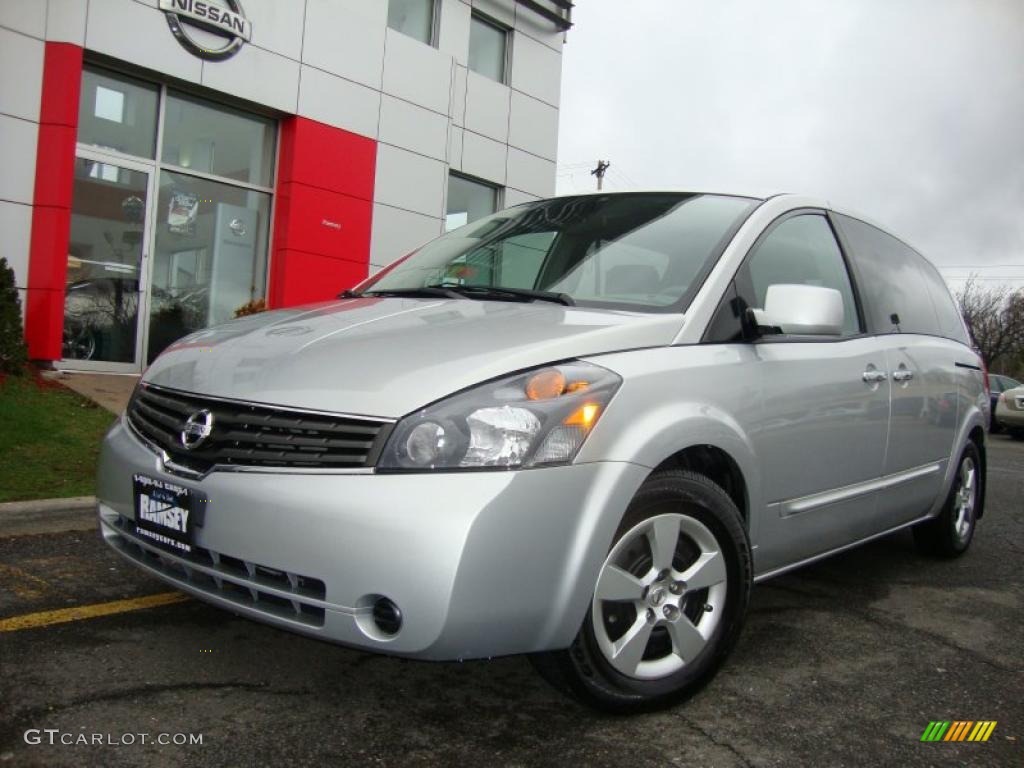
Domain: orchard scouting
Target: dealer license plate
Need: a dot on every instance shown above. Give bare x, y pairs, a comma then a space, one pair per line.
163, 512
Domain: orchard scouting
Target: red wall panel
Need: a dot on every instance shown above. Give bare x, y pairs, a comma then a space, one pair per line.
323, 212
291, 281
323, 222
330, 158
51, 216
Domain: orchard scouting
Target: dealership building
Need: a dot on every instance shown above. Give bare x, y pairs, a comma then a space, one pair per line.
170, 162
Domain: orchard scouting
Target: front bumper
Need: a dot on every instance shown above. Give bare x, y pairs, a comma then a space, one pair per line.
480, 563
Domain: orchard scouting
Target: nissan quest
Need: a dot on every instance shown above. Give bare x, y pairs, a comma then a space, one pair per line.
580, 428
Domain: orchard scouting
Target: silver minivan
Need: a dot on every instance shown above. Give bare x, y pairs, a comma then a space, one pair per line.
579, 428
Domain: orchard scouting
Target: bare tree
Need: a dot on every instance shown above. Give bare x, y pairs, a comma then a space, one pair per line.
995, 319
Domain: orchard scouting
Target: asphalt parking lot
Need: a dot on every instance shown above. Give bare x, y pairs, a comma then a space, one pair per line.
842, 663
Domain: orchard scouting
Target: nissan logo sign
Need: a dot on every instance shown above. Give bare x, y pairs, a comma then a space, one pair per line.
224, 23
198, 427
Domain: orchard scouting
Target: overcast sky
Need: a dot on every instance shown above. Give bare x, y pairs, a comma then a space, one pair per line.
910, 112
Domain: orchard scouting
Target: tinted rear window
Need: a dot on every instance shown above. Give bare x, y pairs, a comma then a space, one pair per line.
895, 283
950, 323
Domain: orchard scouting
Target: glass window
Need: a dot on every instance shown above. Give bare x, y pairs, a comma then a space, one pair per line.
487, 46
118, 112
218, 140
951, 324
211, 255
637, 251
802, 250
414, 18
468, 201
108, 212
891, 281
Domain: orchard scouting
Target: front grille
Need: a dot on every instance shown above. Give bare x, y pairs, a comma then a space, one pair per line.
267, 590
246, 435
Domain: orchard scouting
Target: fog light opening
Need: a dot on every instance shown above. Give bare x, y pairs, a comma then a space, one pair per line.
387, 617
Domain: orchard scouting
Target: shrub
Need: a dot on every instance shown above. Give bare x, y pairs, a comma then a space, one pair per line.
13, 353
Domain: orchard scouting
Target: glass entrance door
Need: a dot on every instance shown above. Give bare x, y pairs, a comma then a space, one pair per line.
106, 257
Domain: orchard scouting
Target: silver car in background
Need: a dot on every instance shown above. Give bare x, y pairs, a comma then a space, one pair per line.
1010, 411
579, 428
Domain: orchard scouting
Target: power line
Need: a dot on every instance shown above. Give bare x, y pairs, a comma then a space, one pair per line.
980, 266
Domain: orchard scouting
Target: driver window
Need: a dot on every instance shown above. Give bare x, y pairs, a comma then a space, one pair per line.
802, 250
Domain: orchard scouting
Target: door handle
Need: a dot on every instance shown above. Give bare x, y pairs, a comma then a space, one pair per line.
873, 376
902, 375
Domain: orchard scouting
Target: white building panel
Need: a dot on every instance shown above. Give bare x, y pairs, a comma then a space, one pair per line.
18, 159
460, 75
65, 21
16, 224
335, 101
21, 74
515, 197
453, 30
455, 139
279, 27
487, 106
416, 72
530, 173
540, 29
500, 11
410, 181
533, 126
345, 42
413, 128
536, 70
484, 158
396, 232
28, 16
132, 32
259, 76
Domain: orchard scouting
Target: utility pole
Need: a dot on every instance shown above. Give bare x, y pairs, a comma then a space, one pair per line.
602, 166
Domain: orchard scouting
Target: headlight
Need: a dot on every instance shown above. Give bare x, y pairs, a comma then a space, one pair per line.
530, 419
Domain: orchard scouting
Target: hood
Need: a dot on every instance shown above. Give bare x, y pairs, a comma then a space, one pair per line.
387, 357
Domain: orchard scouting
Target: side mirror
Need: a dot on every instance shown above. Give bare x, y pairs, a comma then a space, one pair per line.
800, 310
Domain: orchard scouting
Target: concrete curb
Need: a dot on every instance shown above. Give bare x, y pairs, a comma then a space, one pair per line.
26, 518
48, 505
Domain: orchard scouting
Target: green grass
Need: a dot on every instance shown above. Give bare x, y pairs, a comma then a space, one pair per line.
49, 440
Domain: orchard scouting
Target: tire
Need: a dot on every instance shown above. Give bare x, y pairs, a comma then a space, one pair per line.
681, 632
1017, 434
950, 534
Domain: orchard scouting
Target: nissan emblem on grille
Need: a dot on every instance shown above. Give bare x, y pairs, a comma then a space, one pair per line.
198, 427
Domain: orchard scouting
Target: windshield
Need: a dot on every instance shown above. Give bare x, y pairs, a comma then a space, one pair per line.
643, 251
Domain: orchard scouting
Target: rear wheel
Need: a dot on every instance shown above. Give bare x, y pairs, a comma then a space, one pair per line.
1017, 433
950, 534
668, 603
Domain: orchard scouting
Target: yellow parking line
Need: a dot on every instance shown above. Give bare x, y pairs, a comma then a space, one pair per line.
63, 615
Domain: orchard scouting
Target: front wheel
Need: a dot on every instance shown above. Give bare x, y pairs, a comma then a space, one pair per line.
669, 601
950, 534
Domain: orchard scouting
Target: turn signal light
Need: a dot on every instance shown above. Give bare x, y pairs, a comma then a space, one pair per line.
584, 416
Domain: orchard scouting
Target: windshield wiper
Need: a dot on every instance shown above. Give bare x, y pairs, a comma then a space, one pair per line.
506, 294
427, 291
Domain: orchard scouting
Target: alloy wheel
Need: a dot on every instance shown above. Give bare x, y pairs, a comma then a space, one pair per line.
965, 498
659, 596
